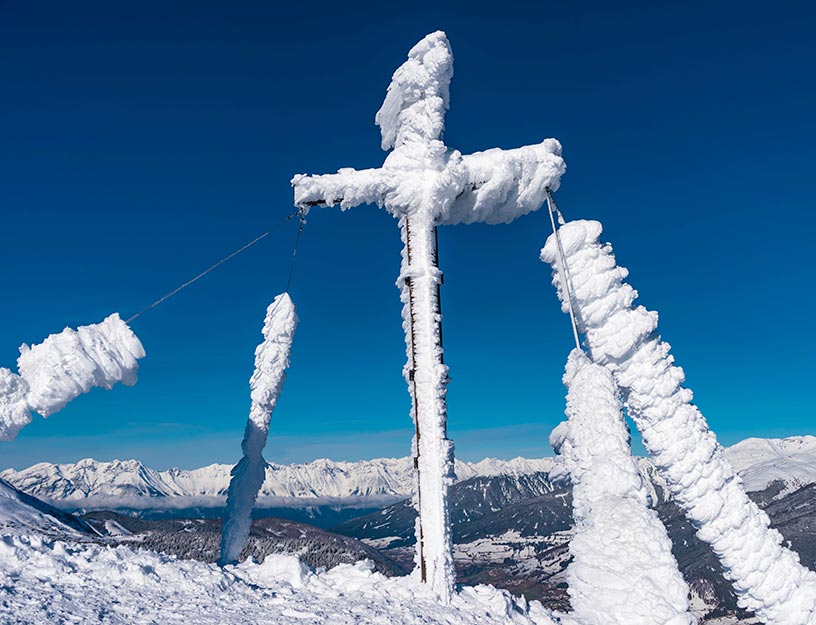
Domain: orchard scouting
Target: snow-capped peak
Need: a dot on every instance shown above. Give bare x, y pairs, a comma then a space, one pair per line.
758, 461
762, 461
381, 477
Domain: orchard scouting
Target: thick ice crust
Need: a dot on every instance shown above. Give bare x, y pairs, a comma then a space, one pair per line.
767, 577
421, 173
266, 383
427, 375
64, 366
622, 570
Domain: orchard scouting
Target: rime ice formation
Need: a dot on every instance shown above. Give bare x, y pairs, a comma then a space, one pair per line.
271, 362
64, 366
14, 410
623, 571
424, 184
767, 577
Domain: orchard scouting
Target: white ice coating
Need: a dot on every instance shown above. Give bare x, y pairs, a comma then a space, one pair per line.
494, 186
64, 366
14, 411
767, 577
427, 377
266, 383
424, 184
622, 570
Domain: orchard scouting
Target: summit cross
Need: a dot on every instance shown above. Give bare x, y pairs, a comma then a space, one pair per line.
424, 184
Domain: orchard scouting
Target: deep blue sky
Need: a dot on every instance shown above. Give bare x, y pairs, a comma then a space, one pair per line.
141, 142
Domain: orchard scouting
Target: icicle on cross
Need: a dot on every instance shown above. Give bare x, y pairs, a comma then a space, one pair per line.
424, 184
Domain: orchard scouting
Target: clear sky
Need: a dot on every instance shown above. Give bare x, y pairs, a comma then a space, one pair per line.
141, 142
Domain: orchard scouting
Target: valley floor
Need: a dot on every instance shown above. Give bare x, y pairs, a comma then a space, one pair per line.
55, 582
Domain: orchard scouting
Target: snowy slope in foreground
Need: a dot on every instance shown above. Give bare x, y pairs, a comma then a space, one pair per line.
45, 581
23, 512
383, 477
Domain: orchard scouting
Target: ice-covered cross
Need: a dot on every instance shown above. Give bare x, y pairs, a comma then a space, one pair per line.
424, 184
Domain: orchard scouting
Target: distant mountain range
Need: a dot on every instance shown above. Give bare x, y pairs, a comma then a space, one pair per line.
129, 485
513, 531
90, 484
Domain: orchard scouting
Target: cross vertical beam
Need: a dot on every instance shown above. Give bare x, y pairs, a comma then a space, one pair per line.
427, 376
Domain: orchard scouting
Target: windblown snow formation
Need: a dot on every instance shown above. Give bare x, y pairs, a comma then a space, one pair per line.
623, 571
424, 184
64, 366
271, 362
767, 577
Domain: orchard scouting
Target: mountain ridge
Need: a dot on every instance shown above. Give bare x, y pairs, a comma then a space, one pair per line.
382, 478
91, 484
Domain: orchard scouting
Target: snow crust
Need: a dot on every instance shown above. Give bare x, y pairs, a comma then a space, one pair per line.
14, 411
502, 185
271, 362
419, 94
494, 186
64, 366
767, 577
623, 571
45, 580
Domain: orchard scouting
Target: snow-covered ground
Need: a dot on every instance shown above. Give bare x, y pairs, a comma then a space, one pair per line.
55, 582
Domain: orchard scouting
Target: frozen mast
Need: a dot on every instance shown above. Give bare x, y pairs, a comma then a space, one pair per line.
266, 384
424, 184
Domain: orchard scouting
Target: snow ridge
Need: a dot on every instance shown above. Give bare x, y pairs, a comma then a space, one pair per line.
64, 366
271, 362
623, 571
767, 577
21, 512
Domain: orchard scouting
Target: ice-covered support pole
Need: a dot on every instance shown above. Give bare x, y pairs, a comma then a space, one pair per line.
427, 376
424, 184
622, 570
271, 362
767, 577
64, 366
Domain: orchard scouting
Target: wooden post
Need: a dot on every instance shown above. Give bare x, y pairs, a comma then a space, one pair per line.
427, 375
